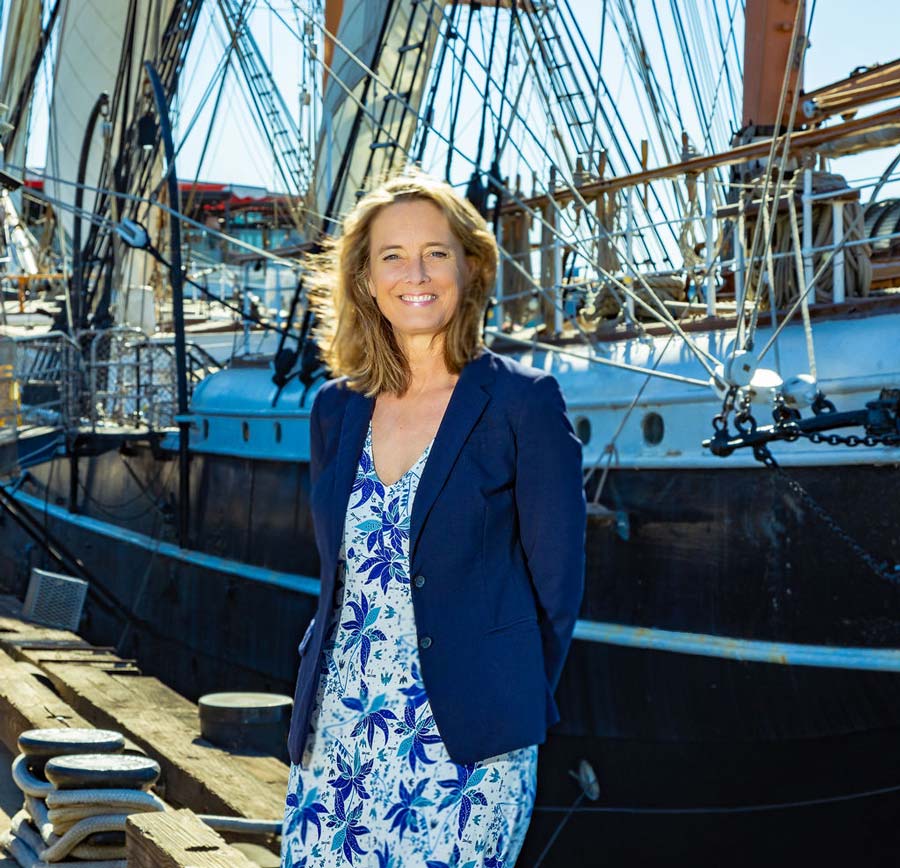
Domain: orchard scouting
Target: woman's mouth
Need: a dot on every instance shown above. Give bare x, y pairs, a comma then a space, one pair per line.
418, 300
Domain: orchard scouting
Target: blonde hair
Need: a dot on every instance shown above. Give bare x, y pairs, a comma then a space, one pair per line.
355, 339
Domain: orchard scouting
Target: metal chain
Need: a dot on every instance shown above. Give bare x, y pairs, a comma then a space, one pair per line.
852, 439
882, 569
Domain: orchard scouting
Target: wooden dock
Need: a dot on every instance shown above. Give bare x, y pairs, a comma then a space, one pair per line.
53, 678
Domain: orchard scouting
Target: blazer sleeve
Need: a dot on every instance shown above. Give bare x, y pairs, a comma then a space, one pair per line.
552, 515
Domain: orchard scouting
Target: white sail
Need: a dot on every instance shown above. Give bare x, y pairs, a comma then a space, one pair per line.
23, 33
388, 123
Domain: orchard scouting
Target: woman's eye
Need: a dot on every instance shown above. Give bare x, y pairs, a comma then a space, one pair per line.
389, 257
439, 254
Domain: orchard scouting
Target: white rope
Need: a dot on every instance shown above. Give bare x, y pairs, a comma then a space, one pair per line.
55, 823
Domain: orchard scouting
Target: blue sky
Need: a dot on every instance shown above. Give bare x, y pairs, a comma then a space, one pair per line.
840, 41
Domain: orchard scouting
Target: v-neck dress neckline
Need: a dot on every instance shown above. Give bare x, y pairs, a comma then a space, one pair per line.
370, 451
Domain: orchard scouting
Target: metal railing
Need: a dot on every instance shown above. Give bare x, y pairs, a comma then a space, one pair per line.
111, 377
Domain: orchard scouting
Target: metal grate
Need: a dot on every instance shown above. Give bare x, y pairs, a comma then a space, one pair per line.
54, 600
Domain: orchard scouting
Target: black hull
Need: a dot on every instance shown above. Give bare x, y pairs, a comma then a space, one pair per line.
715, 740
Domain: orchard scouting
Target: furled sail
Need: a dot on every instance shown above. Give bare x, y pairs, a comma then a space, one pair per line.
23, 33
369, 121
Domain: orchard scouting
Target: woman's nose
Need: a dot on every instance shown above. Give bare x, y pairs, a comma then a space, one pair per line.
417, 272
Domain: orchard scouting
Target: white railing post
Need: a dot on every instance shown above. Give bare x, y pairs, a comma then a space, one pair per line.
557, 274
629, 251
710, 244
838, 256
808, 232
277, 270
245, 289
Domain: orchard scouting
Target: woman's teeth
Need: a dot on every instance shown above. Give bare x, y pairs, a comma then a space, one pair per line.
418, 298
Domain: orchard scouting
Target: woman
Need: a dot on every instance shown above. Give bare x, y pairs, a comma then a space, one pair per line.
449, 516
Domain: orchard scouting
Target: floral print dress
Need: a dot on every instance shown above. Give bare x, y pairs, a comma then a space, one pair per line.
375, 786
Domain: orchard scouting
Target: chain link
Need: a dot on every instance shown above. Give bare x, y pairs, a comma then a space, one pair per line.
882, 569
852, 440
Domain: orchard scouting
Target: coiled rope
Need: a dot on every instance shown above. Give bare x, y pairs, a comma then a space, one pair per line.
55, 824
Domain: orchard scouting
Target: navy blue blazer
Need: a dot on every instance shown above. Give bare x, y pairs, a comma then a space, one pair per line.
497, 537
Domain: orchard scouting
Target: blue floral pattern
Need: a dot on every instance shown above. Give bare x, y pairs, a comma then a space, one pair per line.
375, 786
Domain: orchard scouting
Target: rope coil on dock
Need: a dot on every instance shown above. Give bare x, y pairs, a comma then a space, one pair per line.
81, 811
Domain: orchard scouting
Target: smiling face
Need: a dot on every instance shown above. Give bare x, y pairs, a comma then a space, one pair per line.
417, 268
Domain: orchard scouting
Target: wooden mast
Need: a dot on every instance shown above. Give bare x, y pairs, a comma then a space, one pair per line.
768, 30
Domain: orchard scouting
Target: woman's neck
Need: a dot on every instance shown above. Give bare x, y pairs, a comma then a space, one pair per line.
428, 370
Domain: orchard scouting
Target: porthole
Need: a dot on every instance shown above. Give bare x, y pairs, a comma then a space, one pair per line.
583, 429
654, 428
245, 431
278, 432
206, 429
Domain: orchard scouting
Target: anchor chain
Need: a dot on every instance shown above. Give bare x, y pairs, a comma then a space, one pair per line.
882, 569
881, 419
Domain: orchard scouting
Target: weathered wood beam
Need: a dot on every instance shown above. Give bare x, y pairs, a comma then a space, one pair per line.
177, 839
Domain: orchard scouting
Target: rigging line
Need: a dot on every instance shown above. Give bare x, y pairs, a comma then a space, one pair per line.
192, 195
565, 98
714, 83
340, 182
53, 155
388, 105
610, 448
506, 67
647, 76
449, 28
665, 53
725, 57
253, 99
781, 169
692, 77
250, 57
609, 363
420, 55
663, 315
701, 56
801, 279
617, 139
667, 318
654, 94
594, 136
455, 115
487, 87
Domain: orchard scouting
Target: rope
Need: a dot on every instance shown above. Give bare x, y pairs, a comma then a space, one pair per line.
55, 824
857, 262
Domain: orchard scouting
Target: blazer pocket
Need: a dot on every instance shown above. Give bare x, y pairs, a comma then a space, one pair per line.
524, 624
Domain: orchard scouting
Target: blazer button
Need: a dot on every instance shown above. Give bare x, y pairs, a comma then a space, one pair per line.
425, 642
419, 581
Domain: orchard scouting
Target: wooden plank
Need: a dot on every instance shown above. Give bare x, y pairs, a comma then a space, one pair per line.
26, 702
166, 726
177, 839
161, 722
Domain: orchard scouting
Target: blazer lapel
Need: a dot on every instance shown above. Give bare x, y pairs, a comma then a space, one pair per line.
466, 405
357, 414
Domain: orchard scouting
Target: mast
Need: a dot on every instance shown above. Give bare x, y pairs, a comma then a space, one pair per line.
768, 34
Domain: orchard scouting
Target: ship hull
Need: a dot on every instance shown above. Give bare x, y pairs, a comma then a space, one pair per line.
719, 739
